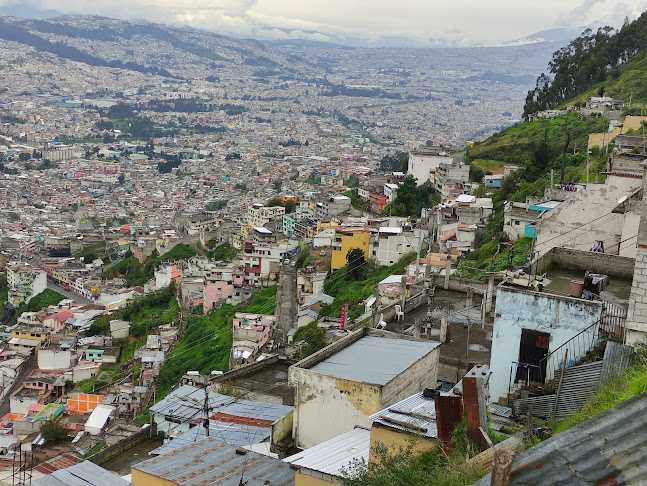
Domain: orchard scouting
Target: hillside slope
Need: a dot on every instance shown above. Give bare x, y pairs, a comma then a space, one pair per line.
515, 145
628, 81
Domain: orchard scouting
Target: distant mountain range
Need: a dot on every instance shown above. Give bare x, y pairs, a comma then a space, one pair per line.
557, 35
165, 50
562, 36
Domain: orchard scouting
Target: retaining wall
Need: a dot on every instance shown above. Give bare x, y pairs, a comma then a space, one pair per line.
111, 451
570, 259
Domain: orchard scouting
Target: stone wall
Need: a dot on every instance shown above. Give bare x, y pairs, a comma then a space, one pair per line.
570, 259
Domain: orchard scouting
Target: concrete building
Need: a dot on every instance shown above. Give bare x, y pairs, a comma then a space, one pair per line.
54, 359
389, 244
423, 164
333, 206
390, 191
345, 240
493, 181
448, 174
528, 326
590, 215
58, 152
259, 215
250, 333
340, 386
637, 313
24, 283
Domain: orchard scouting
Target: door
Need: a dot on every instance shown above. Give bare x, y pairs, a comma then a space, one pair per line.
532, 351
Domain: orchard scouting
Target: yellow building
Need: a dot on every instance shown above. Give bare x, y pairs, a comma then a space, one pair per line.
346, 240
408, 423
28, 339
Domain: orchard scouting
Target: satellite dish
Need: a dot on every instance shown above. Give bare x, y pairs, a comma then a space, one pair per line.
622, 199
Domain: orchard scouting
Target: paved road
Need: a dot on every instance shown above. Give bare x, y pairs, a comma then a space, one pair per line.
68, 293
287, 316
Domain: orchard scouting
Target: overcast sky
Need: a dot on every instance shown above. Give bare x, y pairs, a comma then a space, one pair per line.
421, 23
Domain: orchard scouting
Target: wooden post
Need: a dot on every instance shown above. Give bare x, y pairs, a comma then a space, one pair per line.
559, 387
501, 466
530, 422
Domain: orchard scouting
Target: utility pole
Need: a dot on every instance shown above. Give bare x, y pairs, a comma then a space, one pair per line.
588, 160
205, 422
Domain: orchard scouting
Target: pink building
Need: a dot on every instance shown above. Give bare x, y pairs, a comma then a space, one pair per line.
250, 332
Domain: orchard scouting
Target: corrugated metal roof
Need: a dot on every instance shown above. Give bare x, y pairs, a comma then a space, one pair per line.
332, 456
417, 411
211, 462
186, 404
235, 434
84, 473
374, 360
609, 448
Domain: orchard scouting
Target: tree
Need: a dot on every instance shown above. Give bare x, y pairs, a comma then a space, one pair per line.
541, 158
275, 201
290, 206
476, 174
315, 339
52, 431
568, 140
355, 261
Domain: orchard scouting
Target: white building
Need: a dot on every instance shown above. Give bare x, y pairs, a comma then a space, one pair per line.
391, 191
423, 164
259, 215
24, 283
390, 243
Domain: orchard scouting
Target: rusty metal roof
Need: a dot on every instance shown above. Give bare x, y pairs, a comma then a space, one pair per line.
609, 448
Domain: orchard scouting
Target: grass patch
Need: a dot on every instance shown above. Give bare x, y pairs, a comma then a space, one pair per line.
486, 259
145, 314
206, 344
515, 145
128, 351
404, 466
137, 274
301, 332
494, 166
104, 378
629, 384
221, 252
345, 290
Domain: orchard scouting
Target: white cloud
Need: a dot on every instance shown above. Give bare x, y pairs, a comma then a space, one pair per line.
375, 22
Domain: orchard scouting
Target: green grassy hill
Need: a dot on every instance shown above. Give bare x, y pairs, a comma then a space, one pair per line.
515, 145
629, 81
